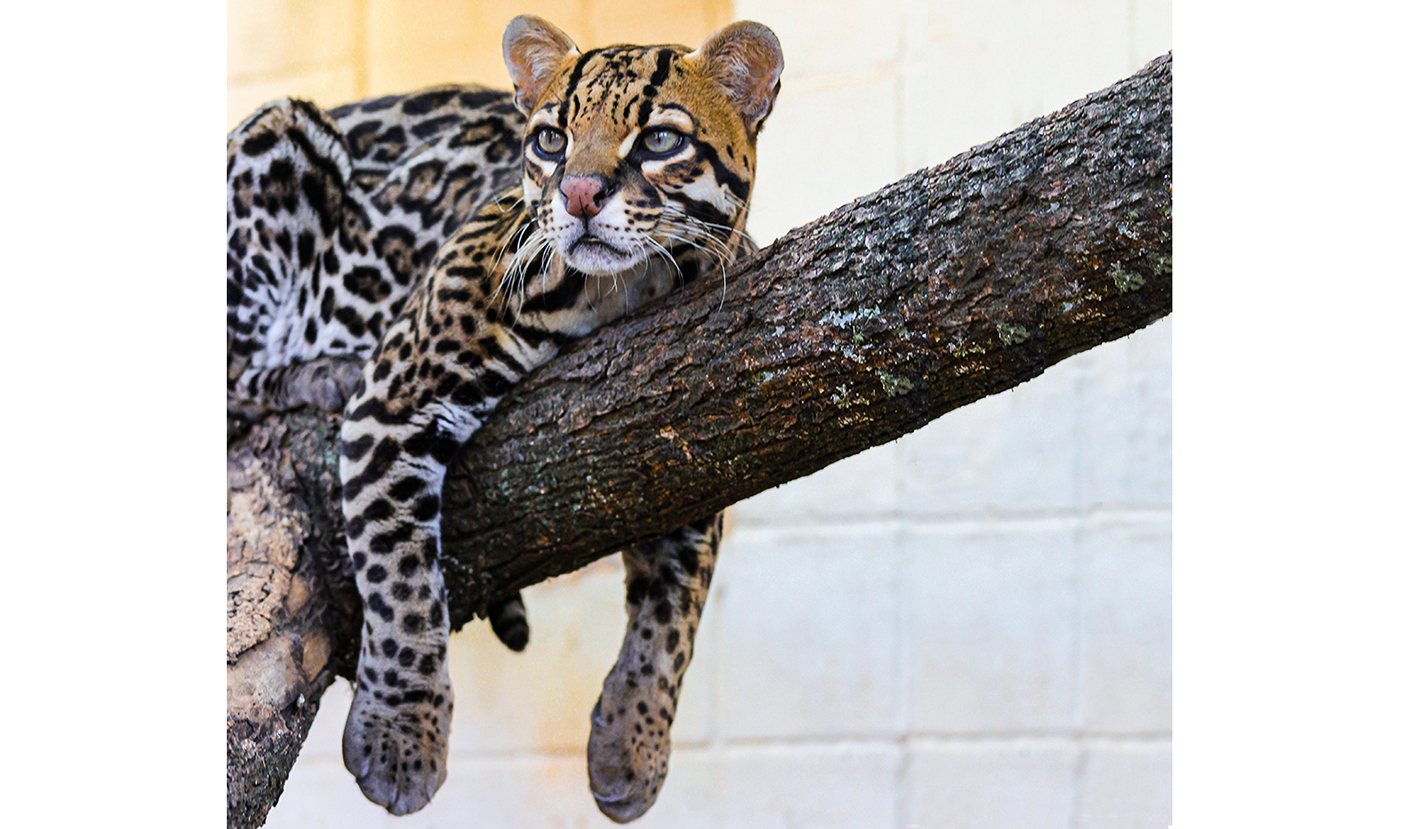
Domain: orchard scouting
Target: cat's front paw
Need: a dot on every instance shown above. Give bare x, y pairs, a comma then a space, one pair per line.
397, 746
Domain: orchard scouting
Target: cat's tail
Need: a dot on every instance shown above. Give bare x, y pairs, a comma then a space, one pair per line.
508, 618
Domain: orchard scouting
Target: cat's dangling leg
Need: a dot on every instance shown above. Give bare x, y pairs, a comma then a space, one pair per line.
666, 584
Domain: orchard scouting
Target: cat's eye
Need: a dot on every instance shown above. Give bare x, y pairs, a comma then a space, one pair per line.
550, 142
661, 141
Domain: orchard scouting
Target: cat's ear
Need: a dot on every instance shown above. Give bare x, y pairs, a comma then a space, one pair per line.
746, 61
533, 49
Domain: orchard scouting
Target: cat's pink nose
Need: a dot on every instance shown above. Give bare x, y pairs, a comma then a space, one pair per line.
584, 195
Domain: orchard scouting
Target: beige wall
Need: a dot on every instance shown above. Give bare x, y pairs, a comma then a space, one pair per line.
335, 51
969, 627
875, 90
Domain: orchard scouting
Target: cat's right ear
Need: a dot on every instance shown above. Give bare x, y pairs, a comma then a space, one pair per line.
533, 49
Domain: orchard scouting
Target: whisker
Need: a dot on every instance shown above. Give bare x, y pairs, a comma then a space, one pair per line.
701, 235
663, 251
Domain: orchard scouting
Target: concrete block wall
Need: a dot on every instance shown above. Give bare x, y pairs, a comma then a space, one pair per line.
969, 627
336, 51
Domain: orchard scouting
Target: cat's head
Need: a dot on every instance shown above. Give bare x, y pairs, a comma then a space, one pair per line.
632, 151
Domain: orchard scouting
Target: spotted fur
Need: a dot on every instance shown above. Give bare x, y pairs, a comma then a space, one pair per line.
332, 218
636, 166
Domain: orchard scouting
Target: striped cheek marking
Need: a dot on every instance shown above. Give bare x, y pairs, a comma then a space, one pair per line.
709, 190
532, 189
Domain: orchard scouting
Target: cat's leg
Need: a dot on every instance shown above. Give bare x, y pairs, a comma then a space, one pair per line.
396, 736
413, 409
666, 584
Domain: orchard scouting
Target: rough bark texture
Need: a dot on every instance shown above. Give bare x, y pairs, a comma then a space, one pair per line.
292, 609
957, 282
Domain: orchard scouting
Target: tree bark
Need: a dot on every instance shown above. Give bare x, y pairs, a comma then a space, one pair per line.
957, 282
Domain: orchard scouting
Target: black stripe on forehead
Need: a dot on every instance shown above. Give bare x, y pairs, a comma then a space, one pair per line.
661, 67
661, 72
677, 108
571, 87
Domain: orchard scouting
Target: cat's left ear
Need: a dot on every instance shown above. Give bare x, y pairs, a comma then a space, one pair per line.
533, 49
746, 61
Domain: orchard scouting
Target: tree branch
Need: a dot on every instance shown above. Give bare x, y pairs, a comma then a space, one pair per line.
957, 282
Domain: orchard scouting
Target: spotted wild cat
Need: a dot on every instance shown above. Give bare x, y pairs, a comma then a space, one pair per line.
385, 252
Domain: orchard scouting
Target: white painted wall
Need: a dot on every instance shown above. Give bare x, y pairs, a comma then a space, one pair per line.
970, 627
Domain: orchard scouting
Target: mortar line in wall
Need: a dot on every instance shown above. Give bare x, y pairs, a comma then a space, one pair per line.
1132, 46
1079, 668
1140, 738
714, 604
902, 775
937, 740
1080, 384
912, 79
963, 520
1075, 807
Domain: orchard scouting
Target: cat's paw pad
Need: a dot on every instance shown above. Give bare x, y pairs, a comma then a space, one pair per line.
398, 752
628, 755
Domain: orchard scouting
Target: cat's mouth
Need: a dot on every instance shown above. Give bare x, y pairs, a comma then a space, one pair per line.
588, 241
594, 255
